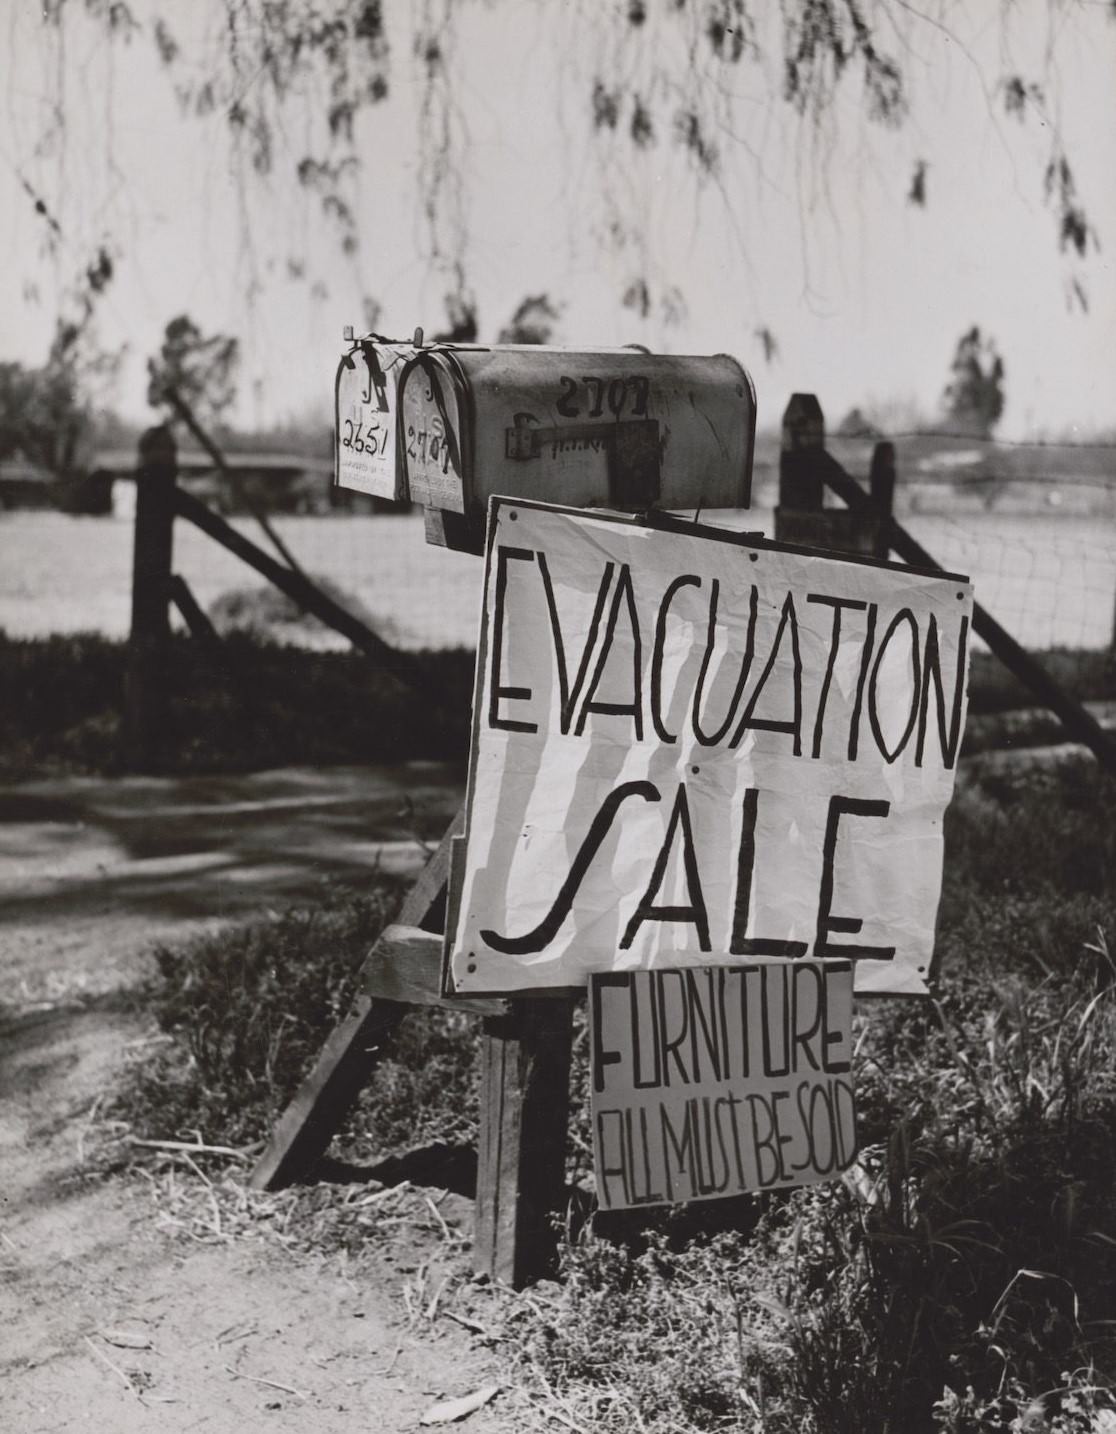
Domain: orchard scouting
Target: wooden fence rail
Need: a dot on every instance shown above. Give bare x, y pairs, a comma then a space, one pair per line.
155, 586
306, 594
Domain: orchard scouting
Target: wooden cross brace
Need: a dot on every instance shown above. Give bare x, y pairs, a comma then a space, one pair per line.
524, 1092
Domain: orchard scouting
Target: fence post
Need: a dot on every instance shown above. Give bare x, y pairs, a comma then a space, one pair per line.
145, 682
802, 516
881, 489
801, 486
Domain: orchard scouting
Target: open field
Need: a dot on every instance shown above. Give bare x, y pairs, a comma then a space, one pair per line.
1050, 578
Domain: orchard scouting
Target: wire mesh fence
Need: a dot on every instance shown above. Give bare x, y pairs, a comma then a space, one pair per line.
1033, 524
1035, 530
1051, 581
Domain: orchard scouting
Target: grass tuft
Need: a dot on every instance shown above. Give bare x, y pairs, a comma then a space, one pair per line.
247, 1011
245, 706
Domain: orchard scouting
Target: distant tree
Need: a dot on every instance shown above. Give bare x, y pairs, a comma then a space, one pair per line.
47, 413
856, 425
974, 397
43, 418
461, 321
897, 415
201, 370
532, 323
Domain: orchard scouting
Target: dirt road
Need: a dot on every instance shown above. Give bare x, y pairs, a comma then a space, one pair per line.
111, 1321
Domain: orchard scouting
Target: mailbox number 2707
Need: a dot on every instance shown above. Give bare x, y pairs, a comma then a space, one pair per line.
617, 395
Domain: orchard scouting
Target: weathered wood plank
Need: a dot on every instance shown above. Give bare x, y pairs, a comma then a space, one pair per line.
310, 598
325, 1097
406, 965
186, 413
304, 1130
192, 612
425, 904
521, 1157
145, 684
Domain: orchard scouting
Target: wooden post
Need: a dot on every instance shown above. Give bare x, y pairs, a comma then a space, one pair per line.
801, 489
302, 1133
145, 683
192, 611
881, 488
348, 1057
802, 516
403, 665
524, 1114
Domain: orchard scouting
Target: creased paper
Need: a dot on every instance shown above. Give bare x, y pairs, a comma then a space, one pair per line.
686, 750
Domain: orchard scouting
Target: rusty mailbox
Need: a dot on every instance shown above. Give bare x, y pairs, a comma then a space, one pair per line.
618, 428
366, 396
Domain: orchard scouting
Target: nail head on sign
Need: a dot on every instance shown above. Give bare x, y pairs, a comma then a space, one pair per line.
513, 515
754, 556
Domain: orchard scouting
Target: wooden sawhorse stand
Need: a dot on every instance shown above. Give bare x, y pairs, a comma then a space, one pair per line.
524, 1096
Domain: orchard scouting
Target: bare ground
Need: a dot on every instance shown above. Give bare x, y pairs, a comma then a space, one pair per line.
115, 1317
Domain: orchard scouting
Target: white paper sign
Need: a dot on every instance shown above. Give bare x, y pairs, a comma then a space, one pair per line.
720, 1080
689, 750
366, 402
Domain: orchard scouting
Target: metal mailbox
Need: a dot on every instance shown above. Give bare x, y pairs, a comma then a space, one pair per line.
618, 429
366, 399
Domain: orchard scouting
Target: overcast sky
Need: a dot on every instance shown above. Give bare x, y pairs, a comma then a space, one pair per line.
808, 235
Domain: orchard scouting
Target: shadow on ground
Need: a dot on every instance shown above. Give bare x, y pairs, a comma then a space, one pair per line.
100, 869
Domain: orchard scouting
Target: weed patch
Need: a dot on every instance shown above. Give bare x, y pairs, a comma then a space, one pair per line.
962, 1278
247, 1012
253, 703
1089, 674
244, 706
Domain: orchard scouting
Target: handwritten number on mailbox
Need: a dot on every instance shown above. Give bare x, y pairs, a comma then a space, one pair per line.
598, 392
370, 441
567, 405
428, 445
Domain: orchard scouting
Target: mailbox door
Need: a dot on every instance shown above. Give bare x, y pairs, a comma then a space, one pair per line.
366, 401
434, 431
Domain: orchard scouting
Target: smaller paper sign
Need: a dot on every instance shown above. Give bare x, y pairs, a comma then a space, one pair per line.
366, 419
719, 1080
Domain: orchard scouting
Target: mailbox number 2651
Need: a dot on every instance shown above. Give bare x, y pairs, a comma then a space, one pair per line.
617, 395
370, 440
